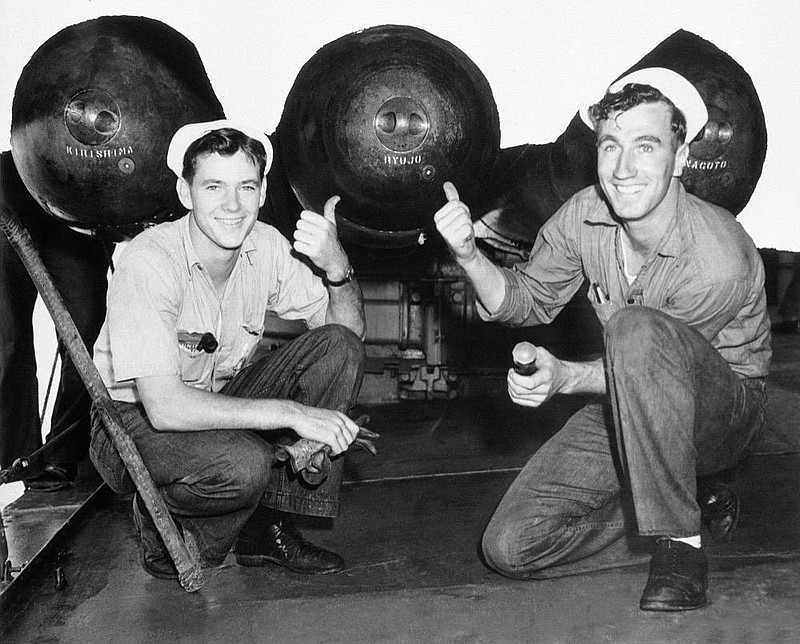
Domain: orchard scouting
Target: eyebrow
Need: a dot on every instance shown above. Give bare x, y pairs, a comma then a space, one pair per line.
644, 137
211, 180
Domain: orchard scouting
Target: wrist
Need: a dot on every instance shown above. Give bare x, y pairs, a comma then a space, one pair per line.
582, 377
469, 263
565, 377
339, 278
291, 412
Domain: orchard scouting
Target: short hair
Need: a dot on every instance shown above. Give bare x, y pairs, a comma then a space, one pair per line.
632, 95
226, 142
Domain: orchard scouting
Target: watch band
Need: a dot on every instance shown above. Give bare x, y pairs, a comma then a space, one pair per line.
348, 277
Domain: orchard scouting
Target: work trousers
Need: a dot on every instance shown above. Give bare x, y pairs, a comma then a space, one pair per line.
78, 265
675, 411
212, 481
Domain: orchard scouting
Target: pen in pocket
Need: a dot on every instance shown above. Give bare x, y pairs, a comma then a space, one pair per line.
599, 295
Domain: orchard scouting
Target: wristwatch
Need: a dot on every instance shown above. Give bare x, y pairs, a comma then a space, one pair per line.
348, 277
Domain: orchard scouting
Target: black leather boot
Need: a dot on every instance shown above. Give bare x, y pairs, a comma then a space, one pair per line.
280, 542
53, 477
678, 577
719, 508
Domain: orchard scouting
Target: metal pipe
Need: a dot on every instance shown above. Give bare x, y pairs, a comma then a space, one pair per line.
189, 572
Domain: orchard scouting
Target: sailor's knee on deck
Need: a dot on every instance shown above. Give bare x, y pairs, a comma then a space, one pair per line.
518, 548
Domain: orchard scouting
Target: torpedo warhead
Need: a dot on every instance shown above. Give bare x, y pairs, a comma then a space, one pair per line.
383, 117
726, 159
93, 113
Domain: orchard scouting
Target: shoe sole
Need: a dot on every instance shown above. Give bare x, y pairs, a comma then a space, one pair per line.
51, 487
669, 608
254, 561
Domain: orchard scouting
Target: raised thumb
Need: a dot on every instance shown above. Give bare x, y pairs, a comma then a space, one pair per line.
329, 211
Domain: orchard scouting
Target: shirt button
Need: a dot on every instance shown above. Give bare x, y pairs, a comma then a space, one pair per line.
631, 301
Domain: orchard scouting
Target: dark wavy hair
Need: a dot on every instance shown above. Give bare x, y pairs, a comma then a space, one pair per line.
632, 95
227, 142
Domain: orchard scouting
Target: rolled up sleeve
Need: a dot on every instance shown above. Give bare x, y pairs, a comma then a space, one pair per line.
538, 289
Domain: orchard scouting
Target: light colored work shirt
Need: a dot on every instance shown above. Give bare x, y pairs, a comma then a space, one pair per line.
160, 293
706, 271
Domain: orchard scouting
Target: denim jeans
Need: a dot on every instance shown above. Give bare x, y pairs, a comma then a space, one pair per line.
675, 411
213, 481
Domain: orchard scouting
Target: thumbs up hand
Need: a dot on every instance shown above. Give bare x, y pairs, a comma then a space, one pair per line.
317, 238
454, 224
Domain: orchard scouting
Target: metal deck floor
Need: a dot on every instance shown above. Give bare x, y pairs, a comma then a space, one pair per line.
409, 530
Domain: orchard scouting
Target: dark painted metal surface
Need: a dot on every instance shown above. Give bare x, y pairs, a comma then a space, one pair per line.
382, 117
93, 113
413, 573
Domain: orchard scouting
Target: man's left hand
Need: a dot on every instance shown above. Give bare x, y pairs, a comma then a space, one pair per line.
317, 238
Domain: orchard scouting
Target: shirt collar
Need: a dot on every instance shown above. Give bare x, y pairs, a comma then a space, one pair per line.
675, 240
190, 254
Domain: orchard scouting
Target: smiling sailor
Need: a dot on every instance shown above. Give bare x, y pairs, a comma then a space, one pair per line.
186, 308
679, 289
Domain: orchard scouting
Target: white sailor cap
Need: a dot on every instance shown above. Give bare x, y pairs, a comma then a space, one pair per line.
675, 87
190, 132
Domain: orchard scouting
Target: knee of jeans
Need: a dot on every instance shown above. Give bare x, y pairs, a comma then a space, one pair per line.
515, 548
345, 349
108, 464
634, 329
343, 340
230, 482
245, 474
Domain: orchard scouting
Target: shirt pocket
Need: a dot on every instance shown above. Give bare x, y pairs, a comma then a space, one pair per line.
603, 307
196, 368
248, 335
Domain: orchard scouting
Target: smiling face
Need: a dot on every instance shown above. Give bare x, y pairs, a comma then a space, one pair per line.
224, 196
637, 159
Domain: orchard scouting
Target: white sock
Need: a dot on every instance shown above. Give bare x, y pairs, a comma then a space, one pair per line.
692, 541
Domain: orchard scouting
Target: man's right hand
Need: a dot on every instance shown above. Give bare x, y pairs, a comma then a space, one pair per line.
326, 426
454, 223
172, 405
537, 387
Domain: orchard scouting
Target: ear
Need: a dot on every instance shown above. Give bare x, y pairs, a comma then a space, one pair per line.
681, 155
263, 196
184, 193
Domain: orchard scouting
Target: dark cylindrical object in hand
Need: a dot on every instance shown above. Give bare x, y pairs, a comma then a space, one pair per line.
208, 343
524, 355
